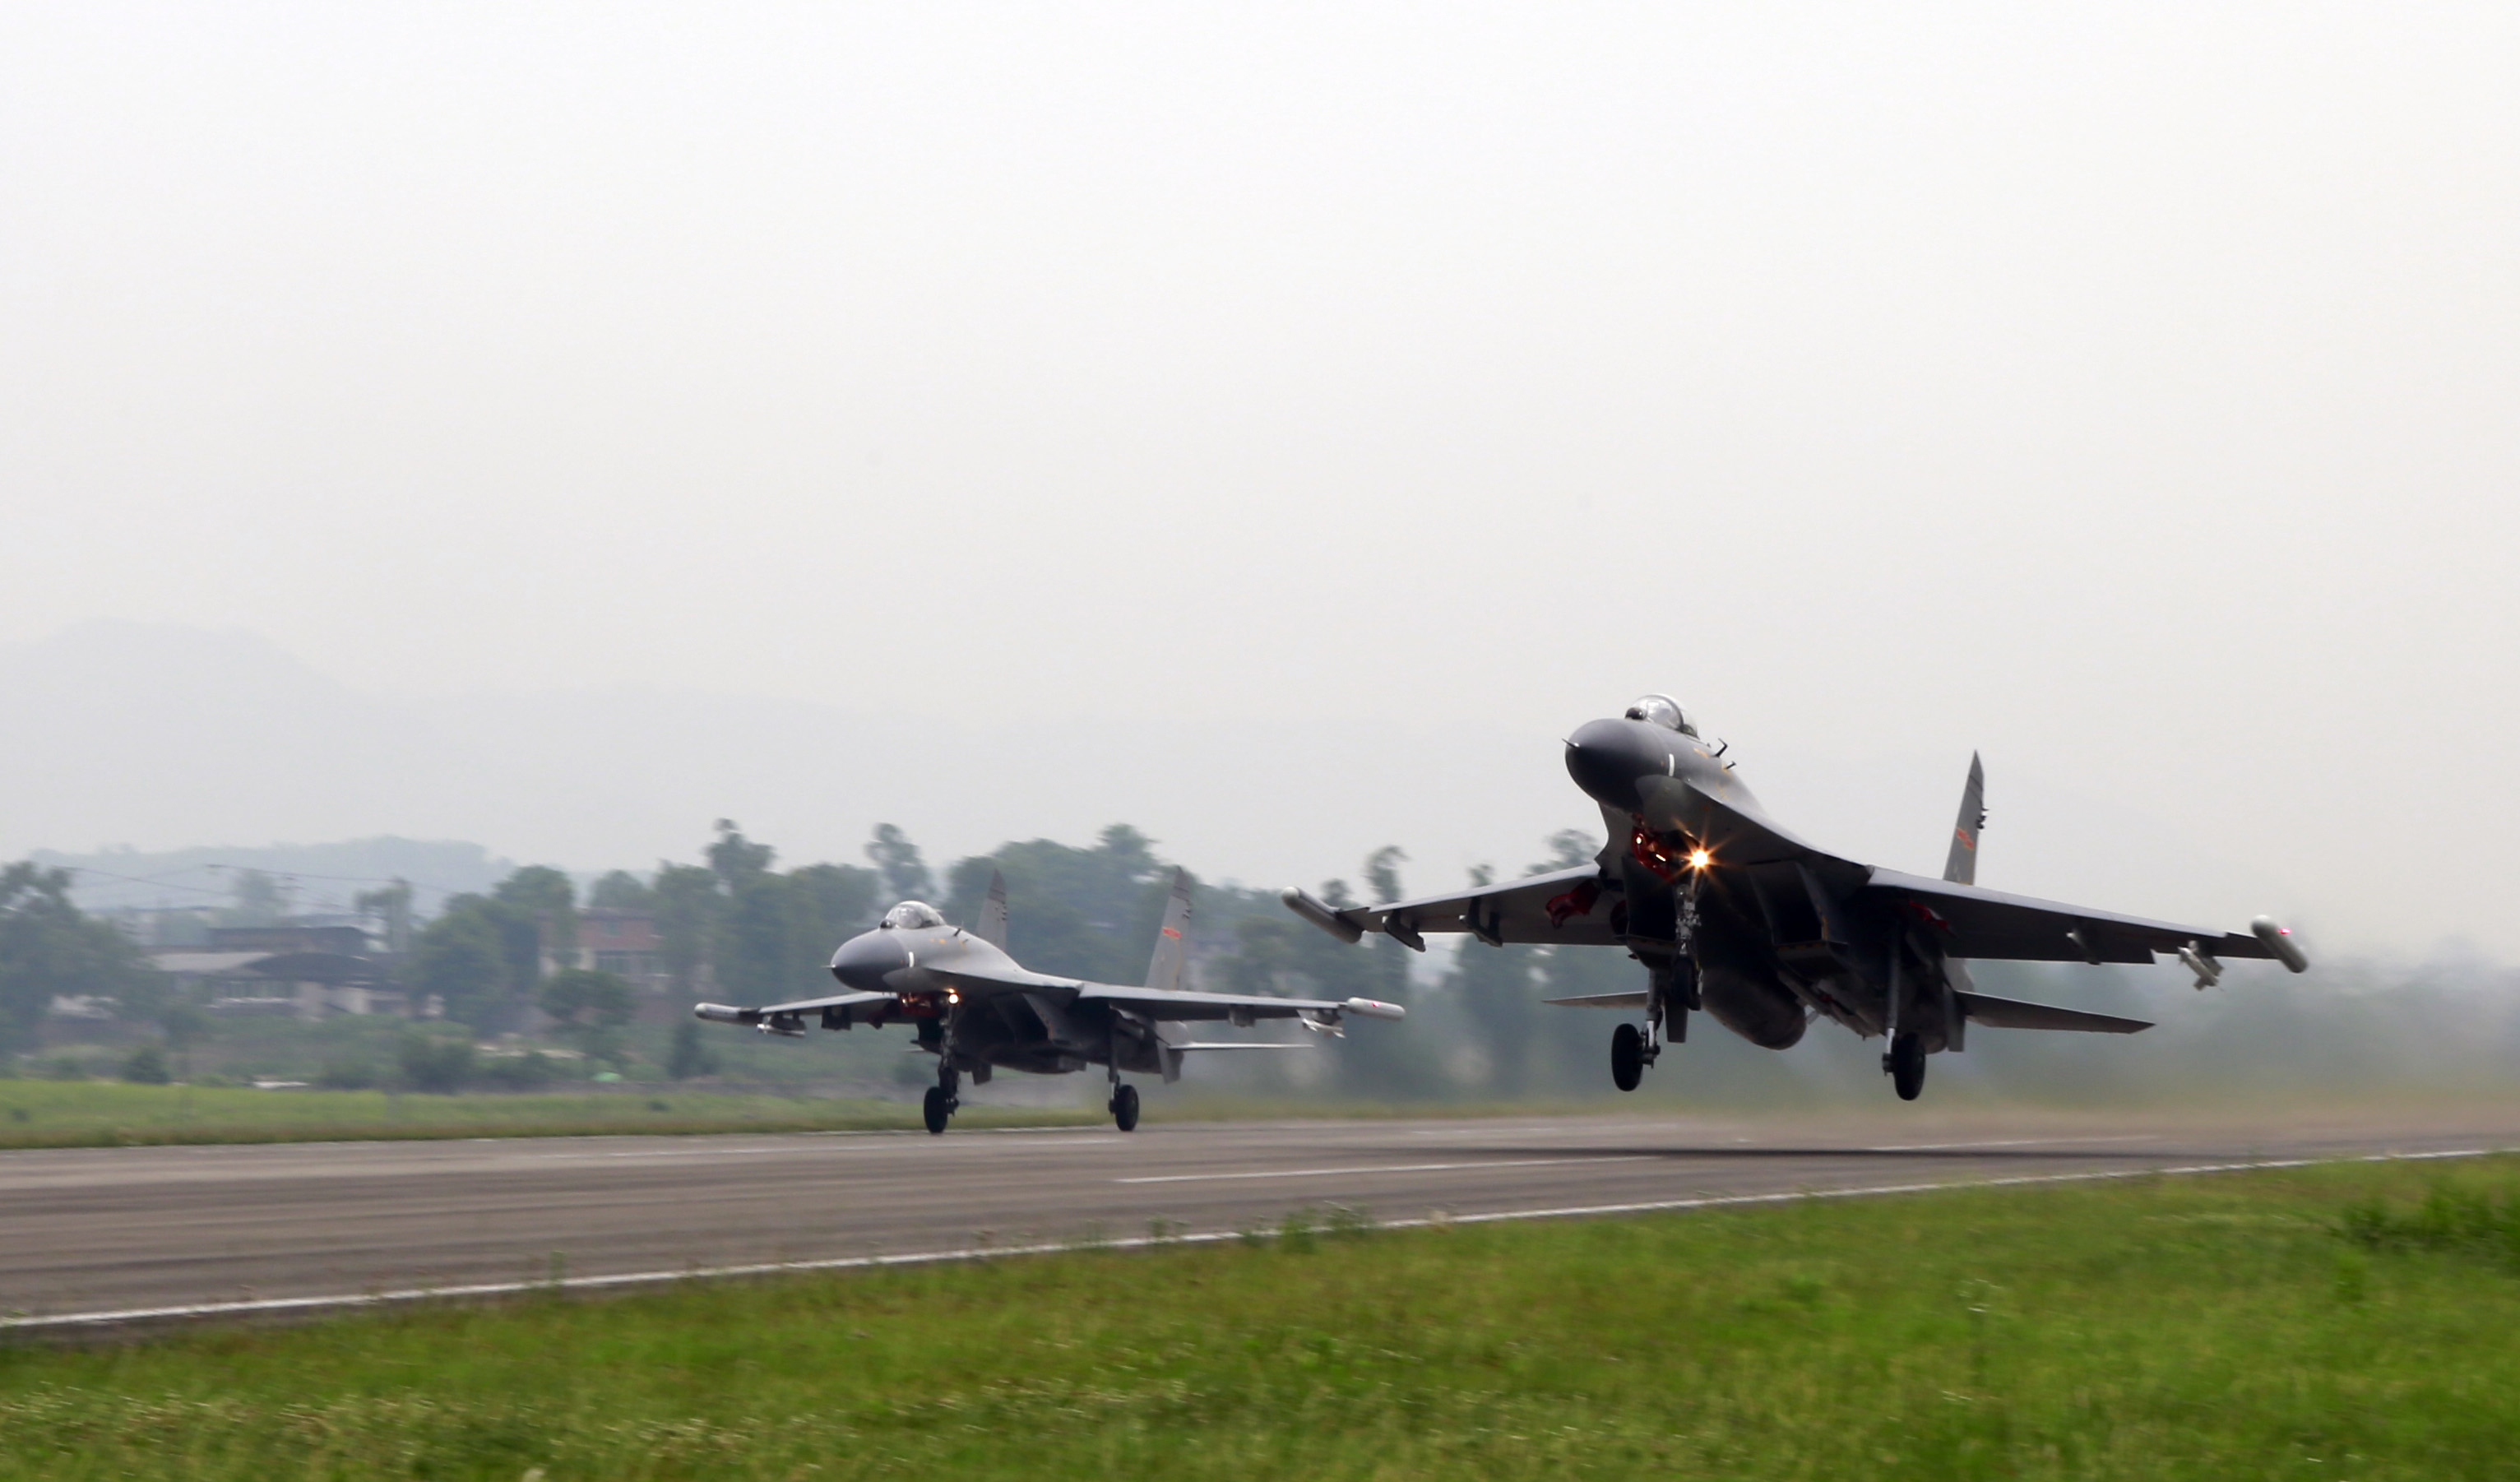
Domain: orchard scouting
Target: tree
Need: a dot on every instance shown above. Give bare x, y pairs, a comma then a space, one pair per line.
582, 999
480, 958
620, 890
833, 902
590, 1008
545, 897
690, 1056
256, 899
738, 859
392, 905
1084, 913
49, 947
898, 860
756, 937
688, 905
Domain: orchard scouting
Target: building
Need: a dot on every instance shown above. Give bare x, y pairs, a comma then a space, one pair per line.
312, 973
618, 941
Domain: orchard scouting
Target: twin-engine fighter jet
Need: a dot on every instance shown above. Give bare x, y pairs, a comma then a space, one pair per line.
975, 1009
1731, 914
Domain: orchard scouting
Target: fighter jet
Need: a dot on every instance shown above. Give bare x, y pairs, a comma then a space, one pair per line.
1730, 913
975, 1009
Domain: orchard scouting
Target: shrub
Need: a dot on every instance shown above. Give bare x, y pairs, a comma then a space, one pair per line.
521, 1072
346, 1075
147, 1067
442, 1066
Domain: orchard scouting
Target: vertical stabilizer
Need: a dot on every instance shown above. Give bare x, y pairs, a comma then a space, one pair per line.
992, 927
1172, 941
1962, 867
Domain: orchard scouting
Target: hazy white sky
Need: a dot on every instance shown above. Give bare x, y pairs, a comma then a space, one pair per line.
2128, 390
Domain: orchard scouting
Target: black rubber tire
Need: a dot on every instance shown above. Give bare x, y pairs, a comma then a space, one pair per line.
1627, 1056
937, 1109
1124, 1108
1908, 1066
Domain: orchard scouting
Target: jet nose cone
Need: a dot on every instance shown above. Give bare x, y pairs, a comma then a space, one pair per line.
867, 958
1606, 757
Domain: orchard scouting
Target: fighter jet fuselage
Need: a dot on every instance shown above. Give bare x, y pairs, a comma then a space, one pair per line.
978, 1010
1731, 914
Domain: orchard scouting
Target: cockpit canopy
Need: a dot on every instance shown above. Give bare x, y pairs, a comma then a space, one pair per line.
912, 916
1664, 711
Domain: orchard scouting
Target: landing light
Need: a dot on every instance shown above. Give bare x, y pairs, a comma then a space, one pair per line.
1699, 858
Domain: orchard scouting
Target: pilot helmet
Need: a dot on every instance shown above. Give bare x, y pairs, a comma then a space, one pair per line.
912, 916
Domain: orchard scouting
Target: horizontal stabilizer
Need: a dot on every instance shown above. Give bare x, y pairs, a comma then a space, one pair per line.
2013, 1013
1637, 999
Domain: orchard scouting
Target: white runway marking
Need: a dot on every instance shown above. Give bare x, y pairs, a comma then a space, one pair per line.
2004, 1143
1322, 1173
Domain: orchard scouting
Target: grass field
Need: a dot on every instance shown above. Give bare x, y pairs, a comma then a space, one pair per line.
2324, 1322
106, 1113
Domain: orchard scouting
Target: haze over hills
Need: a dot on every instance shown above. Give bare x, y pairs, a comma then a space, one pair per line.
160, 737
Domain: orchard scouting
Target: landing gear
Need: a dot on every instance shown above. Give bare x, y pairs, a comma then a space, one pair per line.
1627, 1056
940, 1104
1906, 1064
1124, 1108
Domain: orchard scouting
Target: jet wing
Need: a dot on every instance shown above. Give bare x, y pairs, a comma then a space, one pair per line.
2013, 1014
1562, 906
1972, 922
1184, 1004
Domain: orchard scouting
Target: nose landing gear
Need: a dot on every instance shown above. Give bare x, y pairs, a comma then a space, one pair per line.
1906, 1064
1670, 993
940, 1104
1627, 1056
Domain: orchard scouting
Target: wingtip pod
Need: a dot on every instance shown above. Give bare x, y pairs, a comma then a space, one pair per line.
724, 1014
2280, 943
1294, 898
1375, 1009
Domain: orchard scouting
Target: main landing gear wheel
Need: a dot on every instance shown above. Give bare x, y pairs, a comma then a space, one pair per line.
937, 1109
1907, 1059
1627, 1056
1124, 1108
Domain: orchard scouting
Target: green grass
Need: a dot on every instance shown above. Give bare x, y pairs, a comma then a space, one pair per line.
107, 1113
2206, 1327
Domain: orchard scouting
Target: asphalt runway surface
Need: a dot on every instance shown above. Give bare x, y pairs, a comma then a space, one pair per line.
85, 1232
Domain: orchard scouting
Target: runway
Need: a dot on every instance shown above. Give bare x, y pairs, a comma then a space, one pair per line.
113, 1230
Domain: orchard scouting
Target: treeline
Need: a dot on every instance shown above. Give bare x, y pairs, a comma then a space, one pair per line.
738, 926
